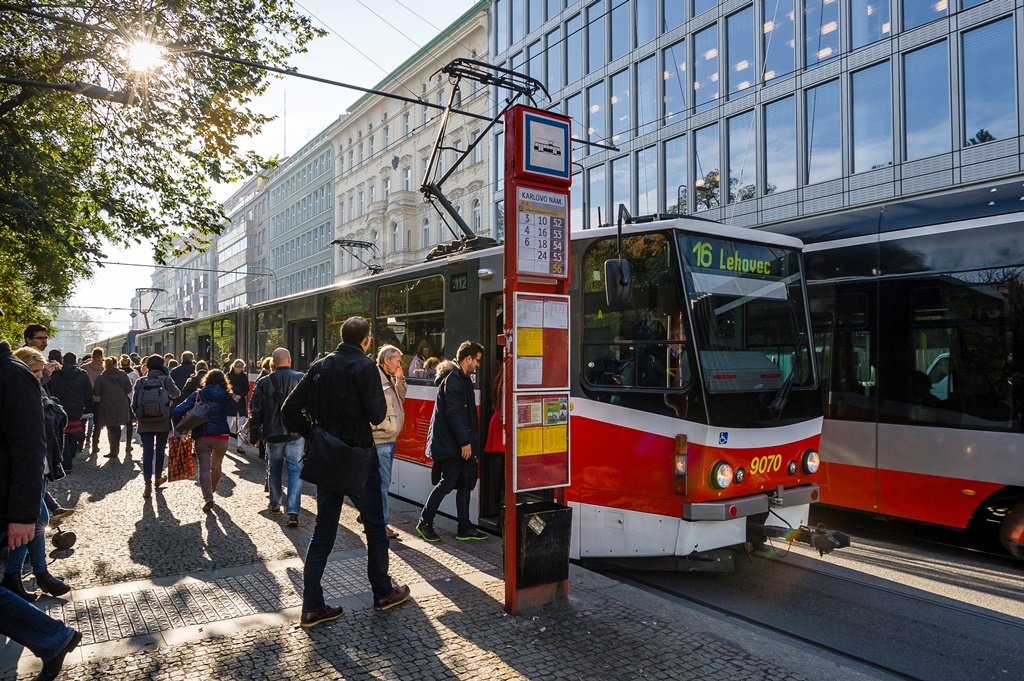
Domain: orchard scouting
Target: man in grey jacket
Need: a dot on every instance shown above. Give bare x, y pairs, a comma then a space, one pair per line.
284, 446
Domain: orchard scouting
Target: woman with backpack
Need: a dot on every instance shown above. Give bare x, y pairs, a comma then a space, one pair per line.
211, 436
152, 406
113, 408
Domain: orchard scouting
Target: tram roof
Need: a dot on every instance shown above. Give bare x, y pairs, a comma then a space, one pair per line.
699, 226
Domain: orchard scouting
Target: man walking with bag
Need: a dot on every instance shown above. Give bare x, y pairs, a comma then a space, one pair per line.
342, 396
284, 446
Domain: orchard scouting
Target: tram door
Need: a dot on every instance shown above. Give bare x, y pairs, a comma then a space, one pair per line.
205, 351
492, 466
302, 343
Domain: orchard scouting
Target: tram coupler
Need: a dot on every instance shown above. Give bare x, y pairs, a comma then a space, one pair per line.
824, 540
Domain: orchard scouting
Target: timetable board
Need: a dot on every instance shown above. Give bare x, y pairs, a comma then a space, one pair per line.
541, 444
542, 232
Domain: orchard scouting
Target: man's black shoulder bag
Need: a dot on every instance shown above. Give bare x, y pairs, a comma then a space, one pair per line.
329, 461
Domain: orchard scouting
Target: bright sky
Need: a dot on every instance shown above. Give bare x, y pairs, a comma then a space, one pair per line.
310, 108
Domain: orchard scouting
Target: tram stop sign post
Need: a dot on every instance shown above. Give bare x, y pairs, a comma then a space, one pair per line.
536, 362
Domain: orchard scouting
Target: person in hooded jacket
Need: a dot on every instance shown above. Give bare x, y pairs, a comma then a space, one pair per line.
211, 438
113, 409
73, 389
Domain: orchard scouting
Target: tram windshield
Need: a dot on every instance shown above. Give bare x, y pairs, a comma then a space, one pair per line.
749, 318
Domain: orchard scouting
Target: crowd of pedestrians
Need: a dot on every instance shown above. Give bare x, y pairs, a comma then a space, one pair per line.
345, 393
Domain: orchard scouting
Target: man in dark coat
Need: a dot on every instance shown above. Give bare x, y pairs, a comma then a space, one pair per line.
342, 393
73, 389
184, 371
453, 442
22, 448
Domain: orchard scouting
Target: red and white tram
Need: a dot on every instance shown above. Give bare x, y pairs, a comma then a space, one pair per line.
696, 413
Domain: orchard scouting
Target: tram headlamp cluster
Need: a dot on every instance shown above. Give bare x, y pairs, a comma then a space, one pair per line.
810, 462
721, 475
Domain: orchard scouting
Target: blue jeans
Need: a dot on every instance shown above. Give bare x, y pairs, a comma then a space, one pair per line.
29, 626
280, 454
71, 444
385, 461
328, 512
35, 549
154, 446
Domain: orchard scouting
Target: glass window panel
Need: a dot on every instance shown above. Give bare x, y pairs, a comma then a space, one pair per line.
920, 12
501, 24
646, 95
870, 21
707, 182
619, 25
740, 43
339, 306
534, 63
598, 198
872, 118
824, 133
926, 101
554, 57
742, 158
621, 107
536, 13
597, 130
780, 145
518, 20
705, 57
821, 30
647, 181
573, 50
673, 13
576, 204
595, 36
674, 80
777, 42
646, 21
554, 7
701, 6
964, 4
620, 187
990, 92
574, 110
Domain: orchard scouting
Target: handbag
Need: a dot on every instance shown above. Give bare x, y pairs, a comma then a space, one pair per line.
180, 463
194, 417
334, 465
245, 434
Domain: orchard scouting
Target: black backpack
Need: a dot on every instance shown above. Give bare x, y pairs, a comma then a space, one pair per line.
55, 420
154, 400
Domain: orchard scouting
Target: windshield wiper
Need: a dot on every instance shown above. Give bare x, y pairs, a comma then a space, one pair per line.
782, 396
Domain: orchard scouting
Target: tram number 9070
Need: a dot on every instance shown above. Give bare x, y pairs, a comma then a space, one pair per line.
770, 463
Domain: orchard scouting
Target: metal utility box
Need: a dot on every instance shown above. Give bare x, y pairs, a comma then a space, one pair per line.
542, 550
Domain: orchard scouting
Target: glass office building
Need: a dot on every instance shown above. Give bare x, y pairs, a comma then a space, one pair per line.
758, 111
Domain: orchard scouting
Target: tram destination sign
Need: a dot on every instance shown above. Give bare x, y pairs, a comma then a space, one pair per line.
542, 232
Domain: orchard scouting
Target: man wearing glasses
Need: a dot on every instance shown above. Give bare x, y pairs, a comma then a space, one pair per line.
36, 336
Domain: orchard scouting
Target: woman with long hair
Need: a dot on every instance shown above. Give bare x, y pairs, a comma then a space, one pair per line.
113, 408
211, 438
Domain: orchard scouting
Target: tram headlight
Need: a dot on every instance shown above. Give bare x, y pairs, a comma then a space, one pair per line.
791, 467
739, 476
811, 461
721, 475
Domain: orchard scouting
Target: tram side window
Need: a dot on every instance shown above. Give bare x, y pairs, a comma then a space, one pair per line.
223, 341
643, 348
845, 352
339, 306
410, 316
267, 332
967, 341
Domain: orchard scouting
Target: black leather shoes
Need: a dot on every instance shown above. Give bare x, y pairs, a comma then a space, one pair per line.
51, 584
12, 581
51, 668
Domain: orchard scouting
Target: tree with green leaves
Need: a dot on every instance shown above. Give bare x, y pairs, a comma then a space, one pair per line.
79, 174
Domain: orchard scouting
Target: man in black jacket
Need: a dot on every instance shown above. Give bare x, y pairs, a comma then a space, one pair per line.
453, 442
183, 372
73, 389
342, 393
22, 448
284, 445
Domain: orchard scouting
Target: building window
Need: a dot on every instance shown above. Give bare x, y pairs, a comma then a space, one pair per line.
371, 192
647, 181
574, 110
598, 207
647, 95
673, 13
387, 136
620, 186
407, 178
595, 36
705, 56
917, 13
821, 30
824, 133
674, 80
872, 118
535, 60
620, 107
742, 158
869, 21
535, 14
387, 187
518, 20
394, 237
553, 55
596, 129
740, 43
701, 6
990, 94
573, 50
406, 123
646, 21
476, 218
371, 140
926, 101
780, 145
619, 24
362, 206
708, 175
425, 234
501, 25
475, 155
